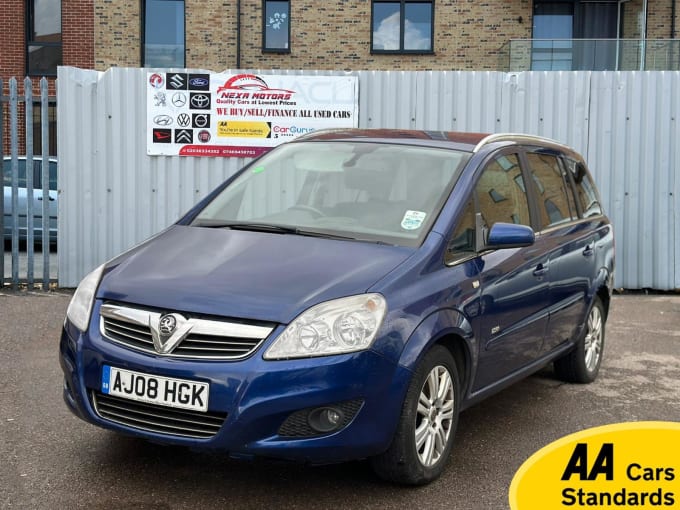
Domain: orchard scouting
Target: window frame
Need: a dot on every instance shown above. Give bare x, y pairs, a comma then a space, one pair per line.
29, 41
568, 191
265, 48
142, 39
402, 23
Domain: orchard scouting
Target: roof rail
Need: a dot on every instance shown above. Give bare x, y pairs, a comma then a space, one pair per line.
514, 137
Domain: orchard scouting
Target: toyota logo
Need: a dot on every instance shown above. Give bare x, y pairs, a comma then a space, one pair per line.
162, 120
167, 325
179, 100
200, 100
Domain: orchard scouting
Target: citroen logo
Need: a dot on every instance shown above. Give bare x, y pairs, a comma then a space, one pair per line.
167, 325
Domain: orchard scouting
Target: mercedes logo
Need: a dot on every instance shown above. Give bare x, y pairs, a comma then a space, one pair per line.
167, 325
162, 120
200, 100
179, 100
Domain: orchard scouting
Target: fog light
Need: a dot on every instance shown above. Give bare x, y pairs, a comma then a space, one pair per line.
325, 419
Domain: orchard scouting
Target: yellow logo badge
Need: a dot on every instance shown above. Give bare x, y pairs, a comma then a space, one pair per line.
625, 465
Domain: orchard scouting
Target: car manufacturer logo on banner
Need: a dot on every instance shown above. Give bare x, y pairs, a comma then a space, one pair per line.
243, 114
184, 136
162, 120
199, 101
177, 81
183, 120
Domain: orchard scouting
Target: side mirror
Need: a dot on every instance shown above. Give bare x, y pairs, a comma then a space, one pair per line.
509, 235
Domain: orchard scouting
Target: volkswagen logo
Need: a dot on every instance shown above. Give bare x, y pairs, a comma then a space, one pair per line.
167, 325
162, 120
183, 120
200, 101
179, 100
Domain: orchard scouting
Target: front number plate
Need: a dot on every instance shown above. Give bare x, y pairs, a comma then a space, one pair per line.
155, 389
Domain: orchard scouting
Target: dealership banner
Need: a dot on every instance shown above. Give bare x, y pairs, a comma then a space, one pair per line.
242, 115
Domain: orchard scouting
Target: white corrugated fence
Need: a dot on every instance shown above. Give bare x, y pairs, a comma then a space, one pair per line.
624, 123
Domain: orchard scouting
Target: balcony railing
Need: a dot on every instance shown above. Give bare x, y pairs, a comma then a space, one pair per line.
590, 55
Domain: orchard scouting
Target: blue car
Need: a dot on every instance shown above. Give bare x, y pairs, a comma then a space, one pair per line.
21, 226
346, 296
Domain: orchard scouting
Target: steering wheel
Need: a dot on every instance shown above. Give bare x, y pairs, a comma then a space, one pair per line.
307, 208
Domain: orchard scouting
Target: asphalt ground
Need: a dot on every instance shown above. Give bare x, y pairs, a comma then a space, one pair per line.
50, 459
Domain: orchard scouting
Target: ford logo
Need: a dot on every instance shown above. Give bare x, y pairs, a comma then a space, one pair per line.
198, 82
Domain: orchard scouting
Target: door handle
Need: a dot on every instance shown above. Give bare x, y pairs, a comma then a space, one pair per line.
540, 270
588, 251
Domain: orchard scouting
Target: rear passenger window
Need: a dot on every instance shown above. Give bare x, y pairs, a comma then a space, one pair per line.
586, 195
501, 192
551, 189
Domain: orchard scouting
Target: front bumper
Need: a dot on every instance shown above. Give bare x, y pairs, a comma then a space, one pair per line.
257, 397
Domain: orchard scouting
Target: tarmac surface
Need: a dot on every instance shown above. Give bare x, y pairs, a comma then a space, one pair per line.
50, 459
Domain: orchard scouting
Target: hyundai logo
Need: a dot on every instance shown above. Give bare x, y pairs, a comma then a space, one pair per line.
162, 120
198, 82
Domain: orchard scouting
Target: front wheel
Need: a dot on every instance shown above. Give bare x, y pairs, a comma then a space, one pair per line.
583, 363
422, 443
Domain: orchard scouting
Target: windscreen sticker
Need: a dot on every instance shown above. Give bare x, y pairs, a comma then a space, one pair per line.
413, 220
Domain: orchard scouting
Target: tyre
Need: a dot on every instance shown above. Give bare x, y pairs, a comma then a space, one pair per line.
582, 364
422, 443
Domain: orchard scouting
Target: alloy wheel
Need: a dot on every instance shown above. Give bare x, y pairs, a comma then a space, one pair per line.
434, 417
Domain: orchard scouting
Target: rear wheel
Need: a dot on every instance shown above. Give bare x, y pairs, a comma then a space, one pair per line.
422, 443
583, 363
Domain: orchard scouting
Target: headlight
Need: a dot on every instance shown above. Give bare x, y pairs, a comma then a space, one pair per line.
343, 325
80, 307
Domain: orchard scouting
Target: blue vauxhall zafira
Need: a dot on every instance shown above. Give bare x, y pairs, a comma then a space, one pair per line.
345, 296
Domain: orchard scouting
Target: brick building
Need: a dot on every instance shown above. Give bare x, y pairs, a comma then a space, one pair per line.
38, 35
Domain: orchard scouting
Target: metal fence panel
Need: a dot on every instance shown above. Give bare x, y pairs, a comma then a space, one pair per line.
22, 203
113, 195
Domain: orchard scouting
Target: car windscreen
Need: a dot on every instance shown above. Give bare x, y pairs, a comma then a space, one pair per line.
367, 191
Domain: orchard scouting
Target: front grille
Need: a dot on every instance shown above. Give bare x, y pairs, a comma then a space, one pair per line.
206, 338
297, 424
155, 418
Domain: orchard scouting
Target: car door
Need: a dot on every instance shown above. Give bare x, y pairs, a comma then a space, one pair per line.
511, 318
568, 243
39, 198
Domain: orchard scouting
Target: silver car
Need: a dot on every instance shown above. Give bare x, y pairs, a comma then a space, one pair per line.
38, 198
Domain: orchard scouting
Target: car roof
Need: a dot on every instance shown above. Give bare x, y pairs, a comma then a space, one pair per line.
470, 142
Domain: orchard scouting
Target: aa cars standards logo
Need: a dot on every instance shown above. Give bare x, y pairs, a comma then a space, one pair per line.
624, 465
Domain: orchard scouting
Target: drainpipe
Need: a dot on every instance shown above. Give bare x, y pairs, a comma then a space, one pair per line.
673, 11
238, 34
643, 46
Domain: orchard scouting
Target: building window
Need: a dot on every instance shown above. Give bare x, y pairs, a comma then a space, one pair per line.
43, 37
402, 27
163, 23
276, 26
